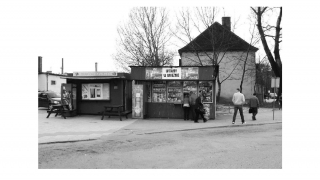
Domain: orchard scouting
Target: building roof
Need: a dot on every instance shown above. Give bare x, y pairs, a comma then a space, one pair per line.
53, 74
91, 77
218, 37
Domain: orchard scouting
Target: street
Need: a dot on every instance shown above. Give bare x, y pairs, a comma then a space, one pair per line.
234, 147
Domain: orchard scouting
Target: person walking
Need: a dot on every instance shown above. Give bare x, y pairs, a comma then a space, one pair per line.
254, 105
186, 106
192, 100
199, 105
238, 101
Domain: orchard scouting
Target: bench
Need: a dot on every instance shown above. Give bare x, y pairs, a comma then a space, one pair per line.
115, 110
58, 109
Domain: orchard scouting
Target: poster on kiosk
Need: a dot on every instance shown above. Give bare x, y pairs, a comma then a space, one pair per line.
68, 96
137, 101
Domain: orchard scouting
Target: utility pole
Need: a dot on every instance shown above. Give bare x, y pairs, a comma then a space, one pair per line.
62, 67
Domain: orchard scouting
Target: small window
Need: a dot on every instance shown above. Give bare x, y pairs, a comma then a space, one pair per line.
53, 82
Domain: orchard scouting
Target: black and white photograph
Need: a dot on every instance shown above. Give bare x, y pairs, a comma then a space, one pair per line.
145, 88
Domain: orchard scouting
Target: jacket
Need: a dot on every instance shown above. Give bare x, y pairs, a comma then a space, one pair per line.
198, 102
254, 102
192, 99
238, 99
186, 101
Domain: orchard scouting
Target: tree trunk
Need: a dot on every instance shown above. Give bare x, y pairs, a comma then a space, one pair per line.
273, 63
219, 89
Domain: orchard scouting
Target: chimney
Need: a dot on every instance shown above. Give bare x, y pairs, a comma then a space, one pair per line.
62, 67
226, 23
39, 64
96, 67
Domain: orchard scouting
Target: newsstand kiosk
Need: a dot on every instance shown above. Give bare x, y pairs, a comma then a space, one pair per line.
89, 91
157, 92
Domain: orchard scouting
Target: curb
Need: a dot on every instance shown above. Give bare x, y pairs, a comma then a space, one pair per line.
158, 132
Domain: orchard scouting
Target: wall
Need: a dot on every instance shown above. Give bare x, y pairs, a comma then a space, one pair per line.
231, 62
42, 82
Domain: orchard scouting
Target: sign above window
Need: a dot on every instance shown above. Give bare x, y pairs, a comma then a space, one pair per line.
172, 73
95, 73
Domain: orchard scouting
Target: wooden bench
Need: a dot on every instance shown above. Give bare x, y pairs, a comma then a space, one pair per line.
58, 109
115, 110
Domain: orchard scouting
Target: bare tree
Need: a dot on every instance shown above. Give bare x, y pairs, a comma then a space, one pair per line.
264, 73
275, 60
248, 67
143, 40
213, 43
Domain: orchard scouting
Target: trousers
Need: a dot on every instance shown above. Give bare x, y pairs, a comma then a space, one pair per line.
236, 108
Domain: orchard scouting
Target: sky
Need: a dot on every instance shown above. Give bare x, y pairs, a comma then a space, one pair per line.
80, 32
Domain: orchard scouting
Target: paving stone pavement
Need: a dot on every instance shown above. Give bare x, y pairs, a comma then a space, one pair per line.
89, 127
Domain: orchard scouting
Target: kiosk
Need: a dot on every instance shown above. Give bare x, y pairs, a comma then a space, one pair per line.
158, 91
90, 91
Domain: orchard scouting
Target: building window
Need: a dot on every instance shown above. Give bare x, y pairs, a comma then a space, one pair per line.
53, 82
96, 91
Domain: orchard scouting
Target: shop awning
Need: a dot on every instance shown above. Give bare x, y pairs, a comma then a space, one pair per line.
89, 78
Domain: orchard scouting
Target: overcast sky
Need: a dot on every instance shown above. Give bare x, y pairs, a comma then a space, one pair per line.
80, 32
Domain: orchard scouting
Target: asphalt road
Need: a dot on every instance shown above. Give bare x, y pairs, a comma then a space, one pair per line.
238, 147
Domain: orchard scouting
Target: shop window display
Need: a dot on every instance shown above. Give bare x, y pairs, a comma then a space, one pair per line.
175, 91
206, 88
190, 86
159, 91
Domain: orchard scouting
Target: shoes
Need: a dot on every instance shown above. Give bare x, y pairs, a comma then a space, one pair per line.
205, 121
232, 122
244, 122
196, 121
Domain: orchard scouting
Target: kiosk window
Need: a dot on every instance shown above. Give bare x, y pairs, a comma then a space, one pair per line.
159, 91
175, 91
206, 88
190, 86
96, 91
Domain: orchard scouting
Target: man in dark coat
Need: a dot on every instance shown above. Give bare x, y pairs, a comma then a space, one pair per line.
192, 99
198, 106
254, 105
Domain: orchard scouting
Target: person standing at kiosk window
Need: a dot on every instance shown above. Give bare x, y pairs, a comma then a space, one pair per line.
199, 105
186, 106
192, 100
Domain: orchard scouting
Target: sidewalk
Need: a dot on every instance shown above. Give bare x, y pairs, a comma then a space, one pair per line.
80, 128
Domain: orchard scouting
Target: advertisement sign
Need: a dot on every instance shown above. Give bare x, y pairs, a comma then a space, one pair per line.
153, 73
275, 82
172, 73
207, 107
95, 73
66, 95
190, 73
137, 101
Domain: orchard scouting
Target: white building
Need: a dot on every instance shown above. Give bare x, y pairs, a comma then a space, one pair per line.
231, 53
48, 81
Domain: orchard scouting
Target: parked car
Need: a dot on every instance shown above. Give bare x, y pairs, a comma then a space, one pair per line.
273, 95
48, 98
